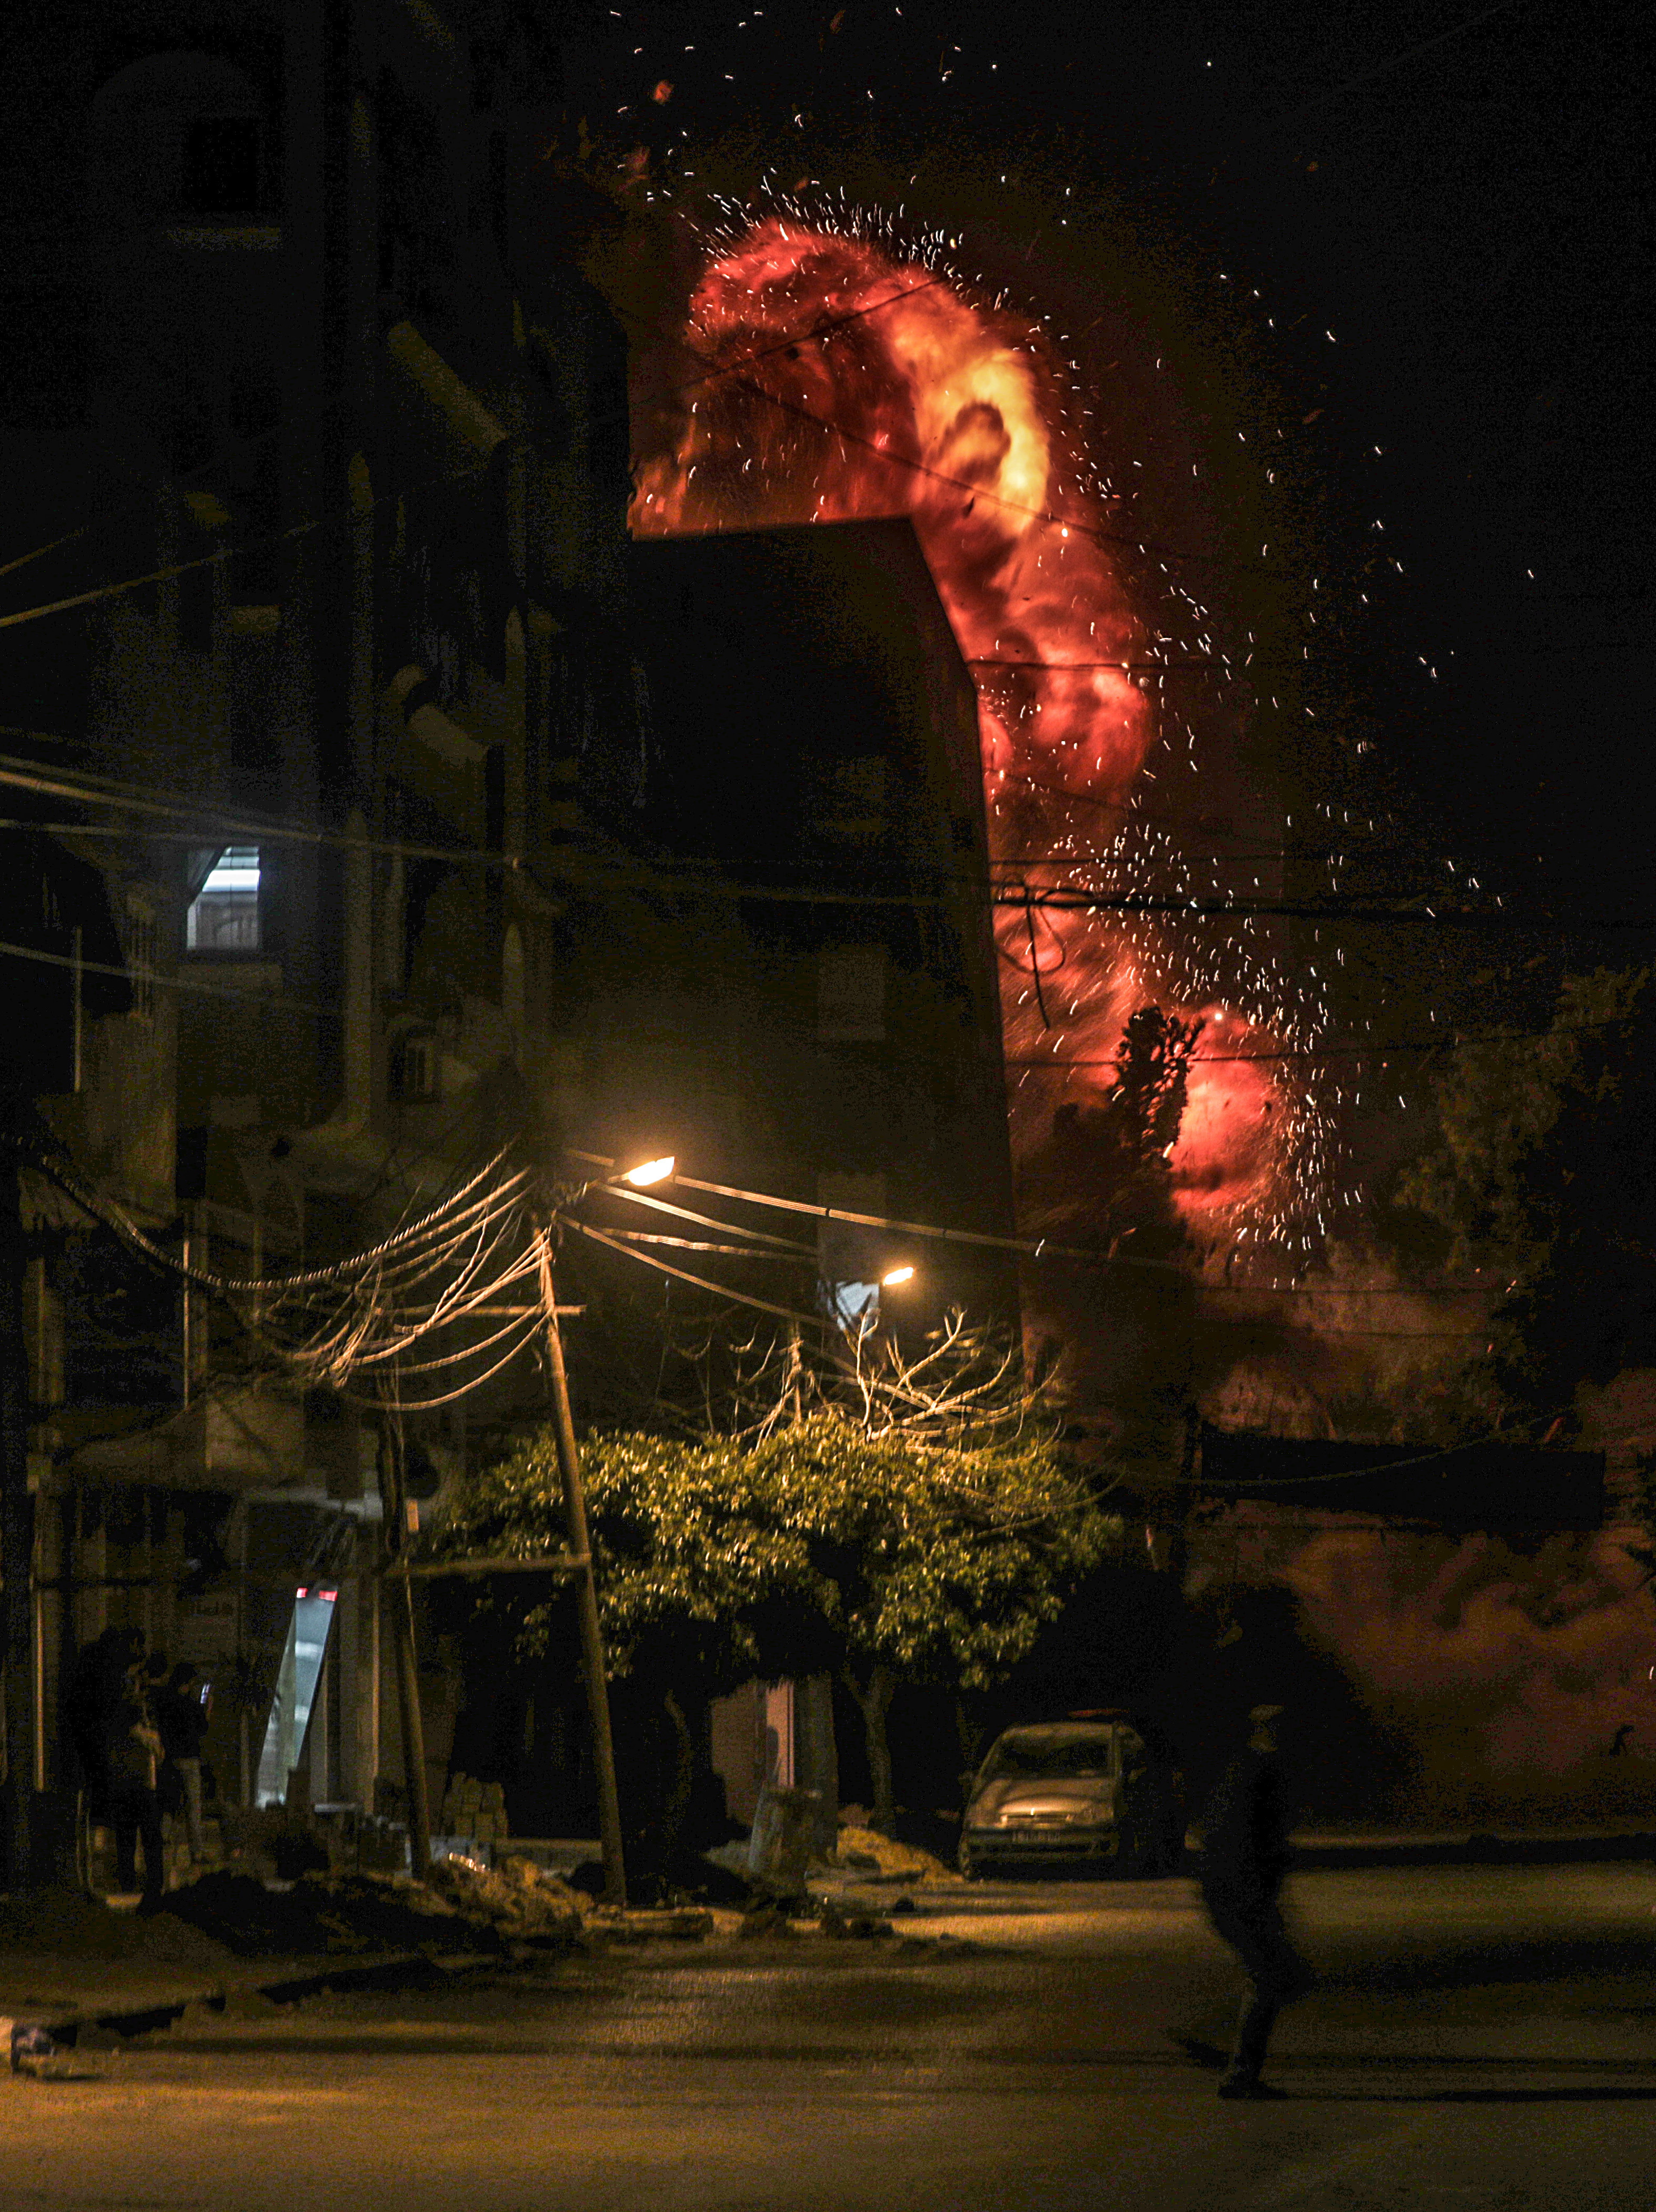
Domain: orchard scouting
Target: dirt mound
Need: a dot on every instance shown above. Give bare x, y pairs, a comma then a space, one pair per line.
71, 1926
868, 1848
329, 1913
519, 1901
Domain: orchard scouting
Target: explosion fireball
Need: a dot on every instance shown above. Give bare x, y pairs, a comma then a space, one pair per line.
855, 376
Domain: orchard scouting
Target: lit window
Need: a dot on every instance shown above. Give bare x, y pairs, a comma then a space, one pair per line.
224, 915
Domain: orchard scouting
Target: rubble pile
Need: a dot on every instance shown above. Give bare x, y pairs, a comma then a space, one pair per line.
872, 1853
68, 1924
327, 1912
522, 1904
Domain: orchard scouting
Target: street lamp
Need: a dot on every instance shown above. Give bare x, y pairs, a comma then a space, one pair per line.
650, 1171
894, 1277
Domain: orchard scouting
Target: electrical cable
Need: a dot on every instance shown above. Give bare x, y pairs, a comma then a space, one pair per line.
696, 1244
699, 1282
1043, 1248
226, 458
1037, 1248
1069, 523
622, 1190
107, 791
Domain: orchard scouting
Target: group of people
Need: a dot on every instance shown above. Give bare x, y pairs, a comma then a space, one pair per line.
137, 1726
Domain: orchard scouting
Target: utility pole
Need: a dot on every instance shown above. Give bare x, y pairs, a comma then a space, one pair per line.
580, 1545
394, 1525
16, 1511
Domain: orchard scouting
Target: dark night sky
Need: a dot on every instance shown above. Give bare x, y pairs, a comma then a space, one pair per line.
1476, 231
1463, 195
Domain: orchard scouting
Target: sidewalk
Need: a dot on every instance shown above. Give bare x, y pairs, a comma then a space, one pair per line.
1497, 1845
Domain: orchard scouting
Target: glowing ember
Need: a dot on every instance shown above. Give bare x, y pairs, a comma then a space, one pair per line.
865, 380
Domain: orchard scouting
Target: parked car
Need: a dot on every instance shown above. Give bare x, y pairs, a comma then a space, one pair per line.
1081, 1793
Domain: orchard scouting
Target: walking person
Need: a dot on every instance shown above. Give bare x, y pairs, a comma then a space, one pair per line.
182, 1711
1245, 1856
133, 1749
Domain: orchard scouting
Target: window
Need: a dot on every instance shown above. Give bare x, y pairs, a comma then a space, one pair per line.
223, 916
851, 994
220, 165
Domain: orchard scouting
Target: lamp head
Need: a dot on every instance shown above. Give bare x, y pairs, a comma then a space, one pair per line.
650, 1171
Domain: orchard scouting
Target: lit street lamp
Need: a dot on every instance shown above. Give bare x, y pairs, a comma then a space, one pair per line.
650, 1171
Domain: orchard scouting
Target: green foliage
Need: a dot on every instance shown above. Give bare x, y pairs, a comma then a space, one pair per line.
818, 1547
1545, 1176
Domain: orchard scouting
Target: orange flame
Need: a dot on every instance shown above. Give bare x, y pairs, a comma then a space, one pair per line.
860, 385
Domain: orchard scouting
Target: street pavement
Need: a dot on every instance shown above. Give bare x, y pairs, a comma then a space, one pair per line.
1483, 2040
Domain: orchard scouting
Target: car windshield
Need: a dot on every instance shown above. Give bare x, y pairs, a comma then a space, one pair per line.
1037, 1759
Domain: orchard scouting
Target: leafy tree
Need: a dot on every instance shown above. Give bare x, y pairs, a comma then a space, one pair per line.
1544, 1176
817, 1546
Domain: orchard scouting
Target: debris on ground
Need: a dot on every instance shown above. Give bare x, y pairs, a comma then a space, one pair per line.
679, 1925
522, 1902
869, 1851
765, 1918
71, 1925
325, 1913
842, 1920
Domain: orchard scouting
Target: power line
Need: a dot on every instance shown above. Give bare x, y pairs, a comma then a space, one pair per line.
974, 491
700, 1282
1044, 1248
1395, 61
1036, 1247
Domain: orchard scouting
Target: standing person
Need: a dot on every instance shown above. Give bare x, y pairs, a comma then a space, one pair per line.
96, 1687
1245, 1856
132, 1749
181, 1717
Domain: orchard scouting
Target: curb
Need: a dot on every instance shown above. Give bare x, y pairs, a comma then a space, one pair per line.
1330, 1854
291, 1979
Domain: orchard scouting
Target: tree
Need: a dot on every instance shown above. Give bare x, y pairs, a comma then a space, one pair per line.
904, 1531
1544, 1179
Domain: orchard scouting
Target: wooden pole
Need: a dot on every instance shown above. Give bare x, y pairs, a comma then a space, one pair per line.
393, 1497
591, 1635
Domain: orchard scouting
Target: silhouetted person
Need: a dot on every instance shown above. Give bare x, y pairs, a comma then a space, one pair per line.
181, 1718
1244, 1858
133, 1748
96, 1687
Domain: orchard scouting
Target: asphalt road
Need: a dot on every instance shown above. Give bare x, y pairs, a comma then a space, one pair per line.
1484, 2040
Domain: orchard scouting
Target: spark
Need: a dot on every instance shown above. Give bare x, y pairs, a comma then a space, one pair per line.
910, 395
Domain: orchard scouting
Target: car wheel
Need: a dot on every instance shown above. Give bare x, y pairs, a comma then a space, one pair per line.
971, 1867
